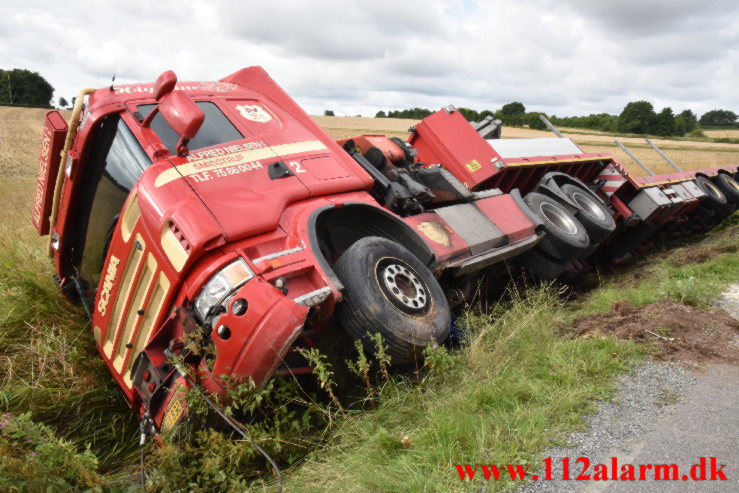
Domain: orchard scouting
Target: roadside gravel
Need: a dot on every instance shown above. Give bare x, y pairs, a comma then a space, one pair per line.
662, 413
643, 397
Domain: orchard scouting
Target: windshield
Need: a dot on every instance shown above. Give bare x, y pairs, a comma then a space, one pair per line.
117, 161
216, 128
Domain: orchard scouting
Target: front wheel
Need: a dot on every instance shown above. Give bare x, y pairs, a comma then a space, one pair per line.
389, 291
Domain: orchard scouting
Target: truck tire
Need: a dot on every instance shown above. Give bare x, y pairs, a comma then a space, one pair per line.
565, 237
388, 290
729, 186
594, 213
542, 265
715, 199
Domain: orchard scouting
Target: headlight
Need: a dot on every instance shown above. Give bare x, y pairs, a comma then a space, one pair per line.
220, 286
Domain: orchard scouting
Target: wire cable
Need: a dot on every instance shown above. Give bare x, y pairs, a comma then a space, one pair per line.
228, 420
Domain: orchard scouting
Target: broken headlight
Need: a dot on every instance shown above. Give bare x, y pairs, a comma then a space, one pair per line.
221, 286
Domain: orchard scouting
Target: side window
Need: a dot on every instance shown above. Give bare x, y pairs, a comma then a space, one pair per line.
117, 162
216, 129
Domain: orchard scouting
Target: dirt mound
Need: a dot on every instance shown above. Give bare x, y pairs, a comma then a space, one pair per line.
679, 332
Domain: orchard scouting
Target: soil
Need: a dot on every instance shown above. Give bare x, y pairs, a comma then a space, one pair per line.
678, 332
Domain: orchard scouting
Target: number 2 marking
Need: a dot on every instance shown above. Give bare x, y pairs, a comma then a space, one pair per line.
296, 165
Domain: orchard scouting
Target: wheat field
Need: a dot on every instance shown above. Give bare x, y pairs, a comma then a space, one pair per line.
20, 131
687, 154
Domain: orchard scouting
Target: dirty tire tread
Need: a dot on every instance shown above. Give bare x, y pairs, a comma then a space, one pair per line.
542, 265
597, 229
556, 243
354, 312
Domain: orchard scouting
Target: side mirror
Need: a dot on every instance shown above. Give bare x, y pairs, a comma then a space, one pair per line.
177, 109
184, 116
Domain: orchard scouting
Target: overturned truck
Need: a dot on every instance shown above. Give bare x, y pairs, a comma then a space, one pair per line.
222, 211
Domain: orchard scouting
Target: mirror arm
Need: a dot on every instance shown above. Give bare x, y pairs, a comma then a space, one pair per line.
182, 149
150, 116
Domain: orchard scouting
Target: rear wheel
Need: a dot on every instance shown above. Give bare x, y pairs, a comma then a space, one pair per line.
729, 186
542, 265
388, 291
565, 237
715, 198
594, 213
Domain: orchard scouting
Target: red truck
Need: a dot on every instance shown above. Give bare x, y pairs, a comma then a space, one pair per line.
220, 212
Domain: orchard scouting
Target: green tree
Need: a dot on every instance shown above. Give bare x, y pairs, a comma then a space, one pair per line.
63, 103
664, 123
328, 113
688, 119
470, 115
638, 117
21, 86
514, 108
535, 122
380, 114
413, 113
486, 113
718, 117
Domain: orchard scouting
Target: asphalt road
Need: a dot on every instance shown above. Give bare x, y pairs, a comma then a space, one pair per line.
663, 413
704, 423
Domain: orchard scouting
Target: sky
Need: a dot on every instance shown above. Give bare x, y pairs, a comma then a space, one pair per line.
562, 57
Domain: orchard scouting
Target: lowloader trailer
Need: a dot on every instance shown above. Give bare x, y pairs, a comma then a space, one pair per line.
220, 212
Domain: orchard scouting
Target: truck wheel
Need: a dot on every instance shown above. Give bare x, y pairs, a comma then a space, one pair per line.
390, 292
729, 186
715, 198
542, 265
565, 237
594, 214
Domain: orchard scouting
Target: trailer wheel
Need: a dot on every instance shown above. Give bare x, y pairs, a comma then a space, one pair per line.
565, 237
389, 291
715, 198
542, 265
729, 186
594, 213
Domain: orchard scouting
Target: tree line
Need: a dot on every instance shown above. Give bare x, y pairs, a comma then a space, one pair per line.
26, 88
638, 117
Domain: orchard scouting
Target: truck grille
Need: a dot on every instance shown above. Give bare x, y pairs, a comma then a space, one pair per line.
139, 302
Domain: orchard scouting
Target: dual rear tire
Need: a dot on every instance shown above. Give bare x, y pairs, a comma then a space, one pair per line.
729, 186
568, 236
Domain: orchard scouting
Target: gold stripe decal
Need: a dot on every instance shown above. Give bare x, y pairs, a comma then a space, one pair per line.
237, 158
555, 161
124, 293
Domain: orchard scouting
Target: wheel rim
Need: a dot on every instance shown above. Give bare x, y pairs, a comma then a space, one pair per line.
558, 218
713, 189
402, 286
588, 205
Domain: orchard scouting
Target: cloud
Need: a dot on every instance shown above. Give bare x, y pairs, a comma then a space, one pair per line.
563, 57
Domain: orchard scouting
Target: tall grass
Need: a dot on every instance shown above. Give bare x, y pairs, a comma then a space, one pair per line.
49, 367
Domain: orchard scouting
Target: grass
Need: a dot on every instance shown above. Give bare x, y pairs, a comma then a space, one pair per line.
693, 274
521, 385
49, 366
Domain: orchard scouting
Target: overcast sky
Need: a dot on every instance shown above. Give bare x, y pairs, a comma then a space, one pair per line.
566, 57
